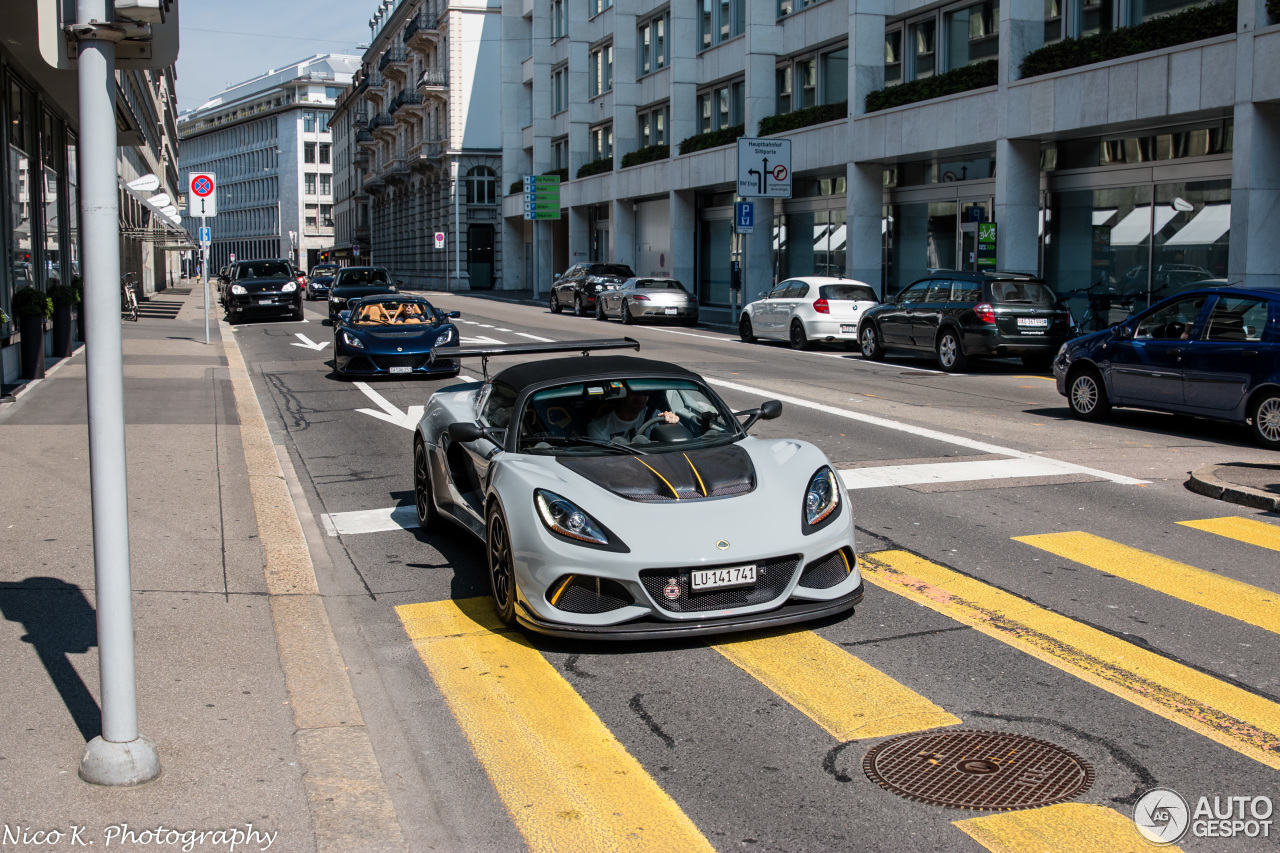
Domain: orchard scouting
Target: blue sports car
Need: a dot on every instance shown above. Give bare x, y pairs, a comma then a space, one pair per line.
392, 334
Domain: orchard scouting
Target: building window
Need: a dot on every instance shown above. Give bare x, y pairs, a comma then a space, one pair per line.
973, 34
311, 214
602, 142
324, 152
923, 36
893, 57
783, 88
835, 76
308, 152
560, 153
322, 122
721, 107
601, 70
326, 185
1082, 18
652, 53
722, 20
309, 183
970, 34
786, 7
558, 28
308, 122
560, 89
598, 6
652, 126
482, 185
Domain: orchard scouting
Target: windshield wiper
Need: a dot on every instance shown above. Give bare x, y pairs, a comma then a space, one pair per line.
608, 445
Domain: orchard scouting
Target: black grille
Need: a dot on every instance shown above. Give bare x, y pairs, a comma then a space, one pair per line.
588, 595
772, 578
386, 362
828, 571
359, 362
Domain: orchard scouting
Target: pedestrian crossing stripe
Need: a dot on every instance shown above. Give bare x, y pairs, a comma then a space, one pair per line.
1248, 530
1213, 708
1251, 604
566, 781
850, 699
1074, 827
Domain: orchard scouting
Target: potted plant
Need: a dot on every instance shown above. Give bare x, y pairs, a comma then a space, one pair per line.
32, 308
77, 284
64, 296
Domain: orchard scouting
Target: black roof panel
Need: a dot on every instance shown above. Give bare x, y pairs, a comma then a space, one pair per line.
521, 376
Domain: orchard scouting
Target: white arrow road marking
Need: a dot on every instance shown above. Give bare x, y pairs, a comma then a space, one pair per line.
307, 343
370, 520
535, 337
407, 419
481, 339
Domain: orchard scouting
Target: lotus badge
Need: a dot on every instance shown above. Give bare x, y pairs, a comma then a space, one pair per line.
723, 545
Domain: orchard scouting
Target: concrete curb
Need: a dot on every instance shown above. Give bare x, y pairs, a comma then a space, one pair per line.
350, 803
1206, 481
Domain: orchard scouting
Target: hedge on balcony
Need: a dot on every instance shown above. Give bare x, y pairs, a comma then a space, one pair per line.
803, 118
1202, 22
1273, 9
712, 139
595, 167
648, 154
952, 82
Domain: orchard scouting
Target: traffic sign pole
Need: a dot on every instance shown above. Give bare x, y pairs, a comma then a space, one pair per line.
204, 274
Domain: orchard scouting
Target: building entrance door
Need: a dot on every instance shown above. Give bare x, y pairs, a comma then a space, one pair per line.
972, 212
480, 256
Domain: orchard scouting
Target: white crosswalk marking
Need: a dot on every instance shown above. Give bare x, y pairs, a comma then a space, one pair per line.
953, 472
534, 337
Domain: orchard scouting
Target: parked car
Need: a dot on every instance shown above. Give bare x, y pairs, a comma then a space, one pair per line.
1213, 352
808, 310
647, 299
579, 285
959, 315
262, 287
669, 527
352, 282
320, 280
392, 334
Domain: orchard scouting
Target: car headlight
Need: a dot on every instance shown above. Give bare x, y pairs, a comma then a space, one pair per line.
238, 289
290, 287
352, 341
822, 498
446, 338
561, 516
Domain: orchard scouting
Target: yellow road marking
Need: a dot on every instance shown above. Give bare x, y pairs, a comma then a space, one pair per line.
563, 777
1248, 530
1064, 828
1211, 591
849, 698
1221, 712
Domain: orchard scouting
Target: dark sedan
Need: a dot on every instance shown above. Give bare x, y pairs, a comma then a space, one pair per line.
958, 315
354, 282
581, 283
264, 287
320, 279
393, 334
1213, 352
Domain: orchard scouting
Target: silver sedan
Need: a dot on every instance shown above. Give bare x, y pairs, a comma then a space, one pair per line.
648, 299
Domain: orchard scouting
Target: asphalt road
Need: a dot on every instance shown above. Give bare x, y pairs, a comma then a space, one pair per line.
1128, 642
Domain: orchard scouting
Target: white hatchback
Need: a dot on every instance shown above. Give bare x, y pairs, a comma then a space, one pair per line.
809, 310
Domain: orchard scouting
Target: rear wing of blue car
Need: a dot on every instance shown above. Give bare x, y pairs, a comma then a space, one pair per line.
493, 351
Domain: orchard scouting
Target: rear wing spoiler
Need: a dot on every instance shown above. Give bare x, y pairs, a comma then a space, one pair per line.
484, 353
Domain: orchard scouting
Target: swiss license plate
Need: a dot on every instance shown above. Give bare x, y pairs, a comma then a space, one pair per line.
727, 578
265, 301
671, 310
848, 330
402, 370
1033, 322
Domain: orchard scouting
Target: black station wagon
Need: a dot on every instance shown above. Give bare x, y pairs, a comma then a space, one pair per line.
958, 315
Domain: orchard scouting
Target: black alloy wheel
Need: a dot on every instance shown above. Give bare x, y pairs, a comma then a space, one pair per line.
502, 575
951, 357
1086, 395
870, 338
578, 310
554, 303
1265, 420
745, 331
625, 313
799, 340
428, 515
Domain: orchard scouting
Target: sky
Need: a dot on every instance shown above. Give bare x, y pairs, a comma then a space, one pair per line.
223, 42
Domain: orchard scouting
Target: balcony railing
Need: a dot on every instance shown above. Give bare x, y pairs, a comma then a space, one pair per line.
423, 23
394, 54
433, 78
406, 98
376, 80
381, 120
364, 136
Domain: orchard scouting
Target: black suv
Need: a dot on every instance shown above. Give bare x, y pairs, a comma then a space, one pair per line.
579, 285
956, 315
262, 287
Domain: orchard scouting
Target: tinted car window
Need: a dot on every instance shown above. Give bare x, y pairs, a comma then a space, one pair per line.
1235, 319
497, 409
798, 290
1026, 292
916, 292
966, 291
358, 277
855, 292
264, 269
939, 291
658, 284
779, 291
621, 270
1172, 322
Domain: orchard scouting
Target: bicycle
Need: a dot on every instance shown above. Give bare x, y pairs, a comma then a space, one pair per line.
128, 300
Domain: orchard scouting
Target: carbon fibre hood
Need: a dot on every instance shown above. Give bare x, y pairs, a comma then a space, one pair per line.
710, 472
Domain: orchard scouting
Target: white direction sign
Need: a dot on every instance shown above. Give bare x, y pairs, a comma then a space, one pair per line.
202, 199
764, 168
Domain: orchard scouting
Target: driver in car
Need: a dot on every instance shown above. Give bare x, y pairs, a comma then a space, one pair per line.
623, 420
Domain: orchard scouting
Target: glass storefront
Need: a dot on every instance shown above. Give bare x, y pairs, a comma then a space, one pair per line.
921, 237
809, 242
715, 253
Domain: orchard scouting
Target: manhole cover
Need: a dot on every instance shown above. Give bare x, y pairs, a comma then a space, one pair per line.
978, 770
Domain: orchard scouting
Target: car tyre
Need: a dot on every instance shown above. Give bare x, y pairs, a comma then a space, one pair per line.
799, 340
1087, 395
553, 303
297, 313
870, 339
423, 496
600, 315
951, 357
625, 314
502, 575
745, 331
578, 310
1265, 419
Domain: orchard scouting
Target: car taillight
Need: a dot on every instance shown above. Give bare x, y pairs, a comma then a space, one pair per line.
822, 307
985, 313
639, 297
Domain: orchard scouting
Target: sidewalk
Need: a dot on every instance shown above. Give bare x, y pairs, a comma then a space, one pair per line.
1243, 483
239, 681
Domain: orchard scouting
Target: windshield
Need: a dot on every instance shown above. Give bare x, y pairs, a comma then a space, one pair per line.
265, 269
624, 416
357, 278
659, 284
1026, 292
394, 313
853, 292
619, 270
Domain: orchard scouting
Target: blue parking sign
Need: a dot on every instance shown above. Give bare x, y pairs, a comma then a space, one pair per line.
744, 217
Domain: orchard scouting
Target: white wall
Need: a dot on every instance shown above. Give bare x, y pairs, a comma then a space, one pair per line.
481, 71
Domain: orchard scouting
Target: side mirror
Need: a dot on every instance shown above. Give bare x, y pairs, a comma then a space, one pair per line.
770, 409
398, 283
344, 316
464, 431
1123, 331
453, 314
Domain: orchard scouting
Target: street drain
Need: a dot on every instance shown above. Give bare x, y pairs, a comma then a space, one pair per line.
978, 770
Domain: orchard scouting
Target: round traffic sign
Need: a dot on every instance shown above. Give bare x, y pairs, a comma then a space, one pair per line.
779, 173
202, 186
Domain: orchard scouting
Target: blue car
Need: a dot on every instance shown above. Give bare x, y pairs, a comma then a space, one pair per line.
1212, 352
393, 334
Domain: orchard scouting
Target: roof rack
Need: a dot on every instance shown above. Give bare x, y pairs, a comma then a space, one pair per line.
484, 353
